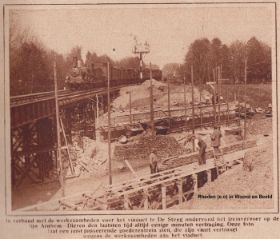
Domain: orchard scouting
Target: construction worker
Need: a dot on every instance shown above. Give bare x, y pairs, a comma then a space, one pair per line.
153, 161
216, 143
215, 99
201, 146
216, 140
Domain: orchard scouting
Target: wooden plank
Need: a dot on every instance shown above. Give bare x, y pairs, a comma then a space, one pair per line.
239, 161
209, 176
188, 170
69, 205
163, 196
131, 169
180, 192
162, 178
195, 182
234, 156
66, 146
158, 176
146, 179
139, 179
126, 202
146, 200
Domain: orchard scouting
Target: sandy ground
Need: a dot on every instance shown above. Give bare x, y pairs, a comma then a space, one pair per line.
236, 181
51, 191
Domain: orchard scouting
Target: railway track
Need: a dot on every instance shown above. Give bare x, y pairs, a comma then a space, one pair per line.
16, 101
23, 99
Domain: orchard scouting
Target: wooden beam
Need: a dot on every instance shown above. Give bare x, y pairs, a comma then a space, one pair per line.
130, 168
163, 196
180, 192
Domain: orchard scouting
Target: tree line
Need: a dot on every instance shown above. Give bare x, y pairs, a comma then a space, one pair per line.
205, 55
31, 63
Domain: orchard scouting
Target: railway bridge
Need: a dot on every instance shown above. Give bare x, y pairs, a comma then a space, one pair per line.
33, 128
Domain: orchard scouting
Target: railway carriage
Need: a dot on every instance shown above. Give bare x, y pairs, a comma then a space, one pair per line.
95, 76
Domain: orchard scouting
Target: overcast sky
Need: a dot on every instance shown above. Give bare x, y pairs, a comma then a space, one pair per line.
169, 31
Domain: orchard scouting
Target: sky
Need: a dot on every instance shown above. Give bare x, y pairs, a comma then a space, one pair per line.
168, 29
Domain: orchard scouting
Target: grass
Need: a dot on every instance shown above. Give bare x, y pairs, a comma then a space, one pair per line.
258, 95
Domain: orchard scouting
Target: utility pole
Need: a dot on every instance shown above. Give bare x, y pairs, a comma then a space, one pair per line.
219, 93
97, 132
168, 96
152, 101
185, 99
109, 123
130, 116
141, 50
245, 97
200, 101
214, 95
58, 151
192, 109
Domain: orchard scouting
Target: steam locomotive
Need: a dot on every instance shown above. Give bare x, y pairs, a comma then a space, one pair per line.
95, 75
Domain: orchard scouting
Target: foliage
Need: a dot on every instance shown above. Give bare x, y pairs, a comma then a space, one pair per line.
198, 55
170, 70
205, 56
31, 63
129, 62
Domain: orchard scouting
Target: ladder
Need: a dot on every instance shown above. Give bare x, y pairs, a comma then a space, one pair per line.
219, 161
66, 147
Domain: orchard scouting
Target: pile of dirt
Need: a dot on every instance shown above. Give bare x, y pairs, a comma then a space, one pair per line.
138, 92
138, 153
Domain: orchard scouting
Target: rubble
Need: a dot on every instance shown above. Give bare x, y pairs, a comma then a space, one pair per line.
137, 152
88, 158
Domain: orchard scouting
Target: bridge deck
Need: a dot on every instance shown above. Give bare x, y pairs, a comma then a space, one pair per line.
151, 191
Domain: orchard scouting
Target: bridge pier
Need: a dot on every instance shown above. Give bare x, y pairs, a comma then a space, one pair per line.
32, 151
46, 142
33, 140
20, 142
